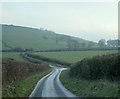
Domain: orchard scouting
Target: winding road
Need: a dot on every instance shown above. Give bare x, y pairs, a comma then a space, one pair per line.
50, 86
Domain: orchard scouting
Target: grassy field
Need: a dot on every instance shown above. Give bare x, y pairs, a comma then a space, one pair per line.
17, 36
23, 88
15, 55
87, 88
5, 48
72, 56
68, 56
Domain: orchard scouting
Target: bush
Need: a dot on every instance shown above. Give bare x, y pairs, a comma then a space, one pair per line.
13, 71
98, 67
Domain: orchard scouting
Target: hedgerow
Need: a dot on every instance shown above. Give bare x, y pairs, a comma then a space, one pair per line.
98, 67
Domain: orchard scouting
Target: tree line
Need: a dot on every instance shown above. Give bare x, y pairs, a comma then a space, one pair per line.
109, 43
74, 45
18, 49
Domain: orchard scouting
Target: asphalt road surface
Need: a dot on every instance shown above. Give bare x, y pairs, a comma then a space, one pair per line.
50, 86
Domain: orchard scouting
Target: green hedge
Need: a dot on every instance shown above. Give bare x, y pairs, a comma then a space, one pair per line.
13, 70
42, 58
98, 67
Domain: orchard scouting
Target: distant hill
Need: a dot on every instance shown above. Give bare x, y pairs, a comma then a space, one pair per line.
25, 37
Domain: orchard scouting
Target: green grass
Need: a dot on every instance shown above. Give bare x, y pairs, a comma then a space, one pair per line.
72, 56
15, 55
23, 88
23, 37
86, 88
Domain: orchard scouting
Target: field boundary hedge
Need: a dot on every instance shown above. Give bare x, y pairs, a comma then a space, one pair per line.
35, 58
98, 67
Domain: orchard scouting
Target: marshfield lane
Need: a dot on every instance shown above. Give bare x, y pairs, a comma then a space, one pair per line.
50, 86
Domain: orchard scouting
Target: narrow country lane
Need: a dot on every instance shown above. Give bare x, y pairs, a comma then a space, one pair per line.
50, 86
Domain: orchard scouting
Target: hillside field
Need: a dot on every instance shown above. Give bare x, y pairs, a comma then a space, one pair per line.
73, 56
26, 37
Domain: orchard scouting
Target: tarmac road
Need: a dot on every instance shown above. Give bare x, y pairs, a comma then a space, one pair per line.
50, 86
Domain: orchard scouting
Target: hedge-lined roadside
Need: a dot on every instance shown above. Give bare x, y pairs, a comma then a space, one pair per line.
17, 75
96, 76
90, 88
98, 67
23, 88
13, 70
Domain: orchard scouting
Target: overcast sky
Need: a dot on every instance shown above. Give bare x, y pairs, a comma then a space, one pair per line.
87, 20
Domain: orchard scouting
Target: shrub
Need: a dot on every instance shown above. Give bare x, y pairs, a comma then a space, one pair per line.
41, 58
13, 71
98, 67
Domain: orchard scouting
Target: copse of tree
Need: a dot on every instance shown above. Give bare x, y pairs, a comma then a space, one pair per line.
62, 38
44, 37
113, 43
73, 44
102, 43
109, 43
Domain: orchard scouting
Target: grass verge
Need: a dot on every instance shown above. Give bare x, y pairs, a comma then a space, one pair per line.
23, 88
87, 88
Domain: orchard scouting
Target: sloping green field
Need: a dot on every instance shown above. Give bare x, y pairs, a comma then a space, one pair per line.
24, 37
